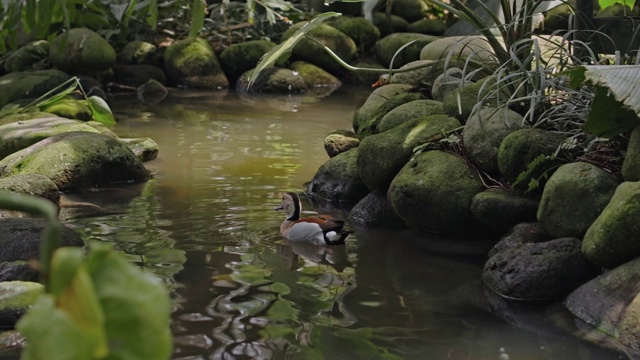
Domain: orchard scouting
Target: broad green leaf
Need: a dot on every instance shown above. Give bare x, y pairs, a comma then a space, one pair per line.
52, 334
101, 111
49, 99
609, 117
136, 306
608, 3
283, 50
152, 17
576, 76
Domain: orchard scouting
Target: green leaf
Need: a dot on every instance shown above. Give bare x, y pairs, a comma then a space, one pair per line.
283, 50
197, 17
576, 76
152, 17
101, 111
609, 117
608, 3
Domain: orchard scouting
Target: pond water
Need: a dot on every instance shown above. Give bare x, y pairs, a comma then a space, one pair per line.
205, 224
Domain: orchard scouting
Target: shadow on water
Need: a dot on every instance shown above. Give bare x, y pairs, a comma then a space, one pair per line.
205, 223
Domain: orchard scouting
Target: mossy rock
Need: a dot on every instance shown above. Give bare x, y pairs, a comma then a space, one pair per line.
434, 192
364, 78
460, 102
337, 180
378, 104
396, 23
389, 45
192, 63
77, 160
502, 209
362, 31
15, 299
315, 76
272, 80
146, 149
410, 10
83, 51
30, 84
381, 156
339, 141
427, 27
31, 184
374, 210
614, 236
631, 163
519, 149
240, 57
459, 49
416, 77
137, 75
573, 198
139, 52
310, 51
484, 132
16, 136
409, 111
33, 56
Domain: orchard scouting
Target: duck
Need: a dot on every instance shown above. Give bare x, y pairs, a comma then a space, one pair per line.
318, 230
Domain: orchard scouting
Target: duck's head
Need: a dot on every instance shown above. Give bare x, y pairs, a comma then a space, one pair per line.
291, 205
382, 80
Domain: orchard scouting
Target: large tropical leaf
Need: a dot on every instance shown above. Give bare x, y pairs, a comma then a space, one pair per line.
616, 105
283, 50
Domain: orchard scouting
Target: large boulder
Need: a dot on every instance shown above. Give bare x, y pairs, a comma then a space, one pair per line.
374, 210
614, 236
519, 149
310, 51
381, 156
81, 51
434, 191
337, 180
538, 271
77, 160
33, 56
240, 57
573, 198
611, 304
378, 104
411, 110
16, 136
29, 84
631, 164
502, 209
192, 63
484, 132
387, 47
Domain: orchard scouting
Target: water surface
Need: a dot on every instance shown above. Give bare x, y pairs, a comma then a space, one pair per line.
205, 224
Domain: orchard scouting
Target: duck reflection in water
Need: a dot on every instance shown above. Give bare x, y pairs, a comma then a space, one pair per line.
335, 256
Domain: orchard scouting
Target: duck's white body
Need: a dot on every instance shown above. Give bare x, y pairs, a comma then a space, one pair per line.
318, 230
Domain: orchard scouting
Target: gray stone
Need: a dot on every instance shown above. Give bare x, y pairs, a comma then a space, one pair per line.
415, 77
146, 149
520, 234
137, 75
381, 156
379, 103
538, 271
273, 80
483, 133
427, 26
315, 76
395, 23
337, 180
240, 57
77, 160
573, 198
434, 191
18, 271
29, 184
614, 236
446, 83
460, 48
